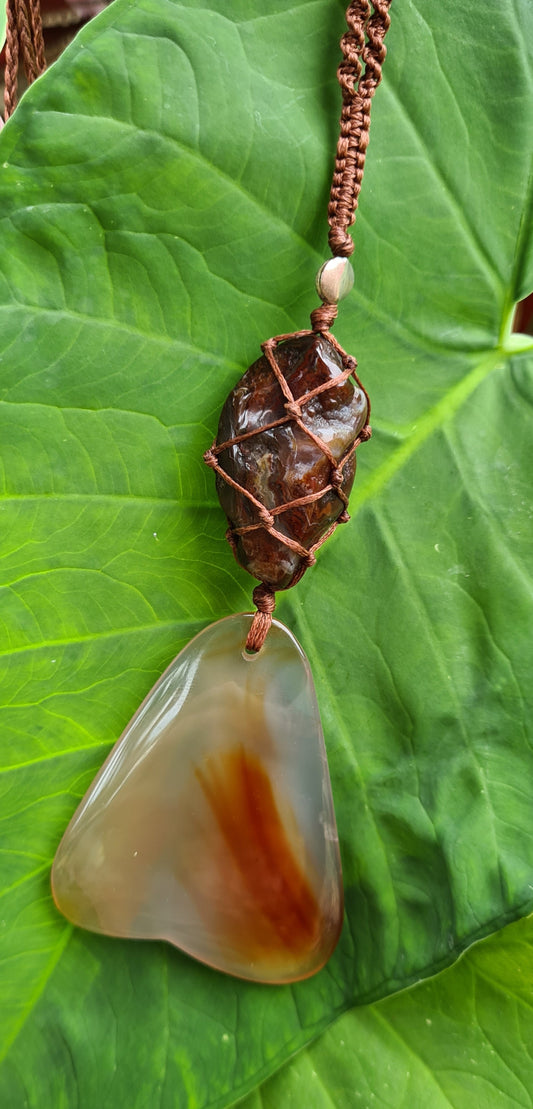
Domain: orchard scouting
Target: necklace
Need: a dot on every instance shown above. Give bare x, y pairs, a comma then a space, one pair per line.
211, 823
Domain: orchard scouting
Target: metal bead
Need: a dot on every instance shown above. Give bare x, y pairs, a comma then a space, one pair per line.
334, 280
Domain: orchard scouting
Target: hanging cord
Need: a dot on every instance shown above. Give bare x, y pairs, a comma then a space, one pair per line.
265, 603
24, 39
358, 88
359, 75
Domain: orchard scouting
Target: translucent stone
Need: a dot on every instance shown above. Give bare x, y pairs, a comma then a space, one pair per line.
211, 823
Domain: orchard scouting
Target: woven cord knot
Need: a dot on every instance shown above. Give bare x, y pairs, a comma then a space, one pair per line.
341, 243
359, 75
210, 458
266, 518
293, 409
322, 318
265, 603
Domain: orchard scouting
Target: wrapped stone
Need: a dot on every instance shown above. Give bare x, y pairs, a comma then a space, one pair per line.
309, 454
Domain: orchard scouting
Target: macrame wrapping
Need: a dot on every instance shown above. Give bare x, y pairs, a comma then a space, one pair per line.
331, 497
359, 75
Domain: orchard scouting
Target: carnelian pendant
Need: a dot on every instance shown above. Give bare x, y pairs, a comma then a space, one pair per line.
211, 823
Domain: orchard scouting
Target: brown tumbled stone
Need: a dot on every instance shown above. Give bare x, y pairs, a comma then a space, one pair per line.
282, 464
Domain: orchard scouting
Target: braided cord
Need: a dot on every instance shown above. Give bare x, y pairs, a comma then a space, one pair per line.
359, 75
24, 40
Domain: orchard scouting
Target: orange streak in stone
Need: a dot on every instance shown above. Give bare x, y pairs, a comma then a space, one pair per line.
240, 795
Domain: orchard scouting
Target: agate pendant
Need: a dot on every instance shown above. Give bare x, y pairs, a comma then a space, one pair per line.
211, 823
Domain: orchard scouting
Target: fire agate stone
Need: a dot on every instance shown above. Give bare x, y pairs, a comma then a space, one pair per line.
211, 823
282, 464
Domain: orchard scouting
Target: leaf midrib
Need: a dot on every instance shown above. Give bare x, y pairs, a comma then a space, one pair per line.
72, 641
430, 422
40, 985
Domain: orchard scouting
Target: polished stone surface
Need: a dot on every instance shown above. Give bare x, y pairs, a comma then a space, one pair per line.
283, 464
334, 280
211, 823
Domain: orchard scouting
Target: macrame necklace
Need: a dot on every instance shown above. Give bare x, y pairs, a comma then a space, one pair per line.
211, 824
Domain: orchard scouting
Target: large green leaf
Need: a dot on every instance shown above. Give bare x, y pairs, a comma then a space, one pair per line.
463, 1039
163, 191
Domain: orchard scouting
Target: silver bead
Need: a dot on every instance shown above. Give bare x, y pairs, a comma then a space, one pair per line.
334, 280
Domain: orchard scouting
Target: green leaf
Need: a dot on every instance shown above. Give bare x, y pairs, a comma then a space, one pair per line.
163, 194
463, 1039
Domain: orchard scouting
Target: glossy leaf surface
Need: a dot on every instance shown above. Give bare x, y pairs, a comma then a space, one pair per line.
163, 194
465, 1038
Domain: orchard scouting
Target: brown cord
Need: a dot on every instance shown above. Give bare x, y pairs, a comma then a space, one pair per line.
24, 38
324, 317
12, 61
266, 518
358, 87
37, 34
265, 603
